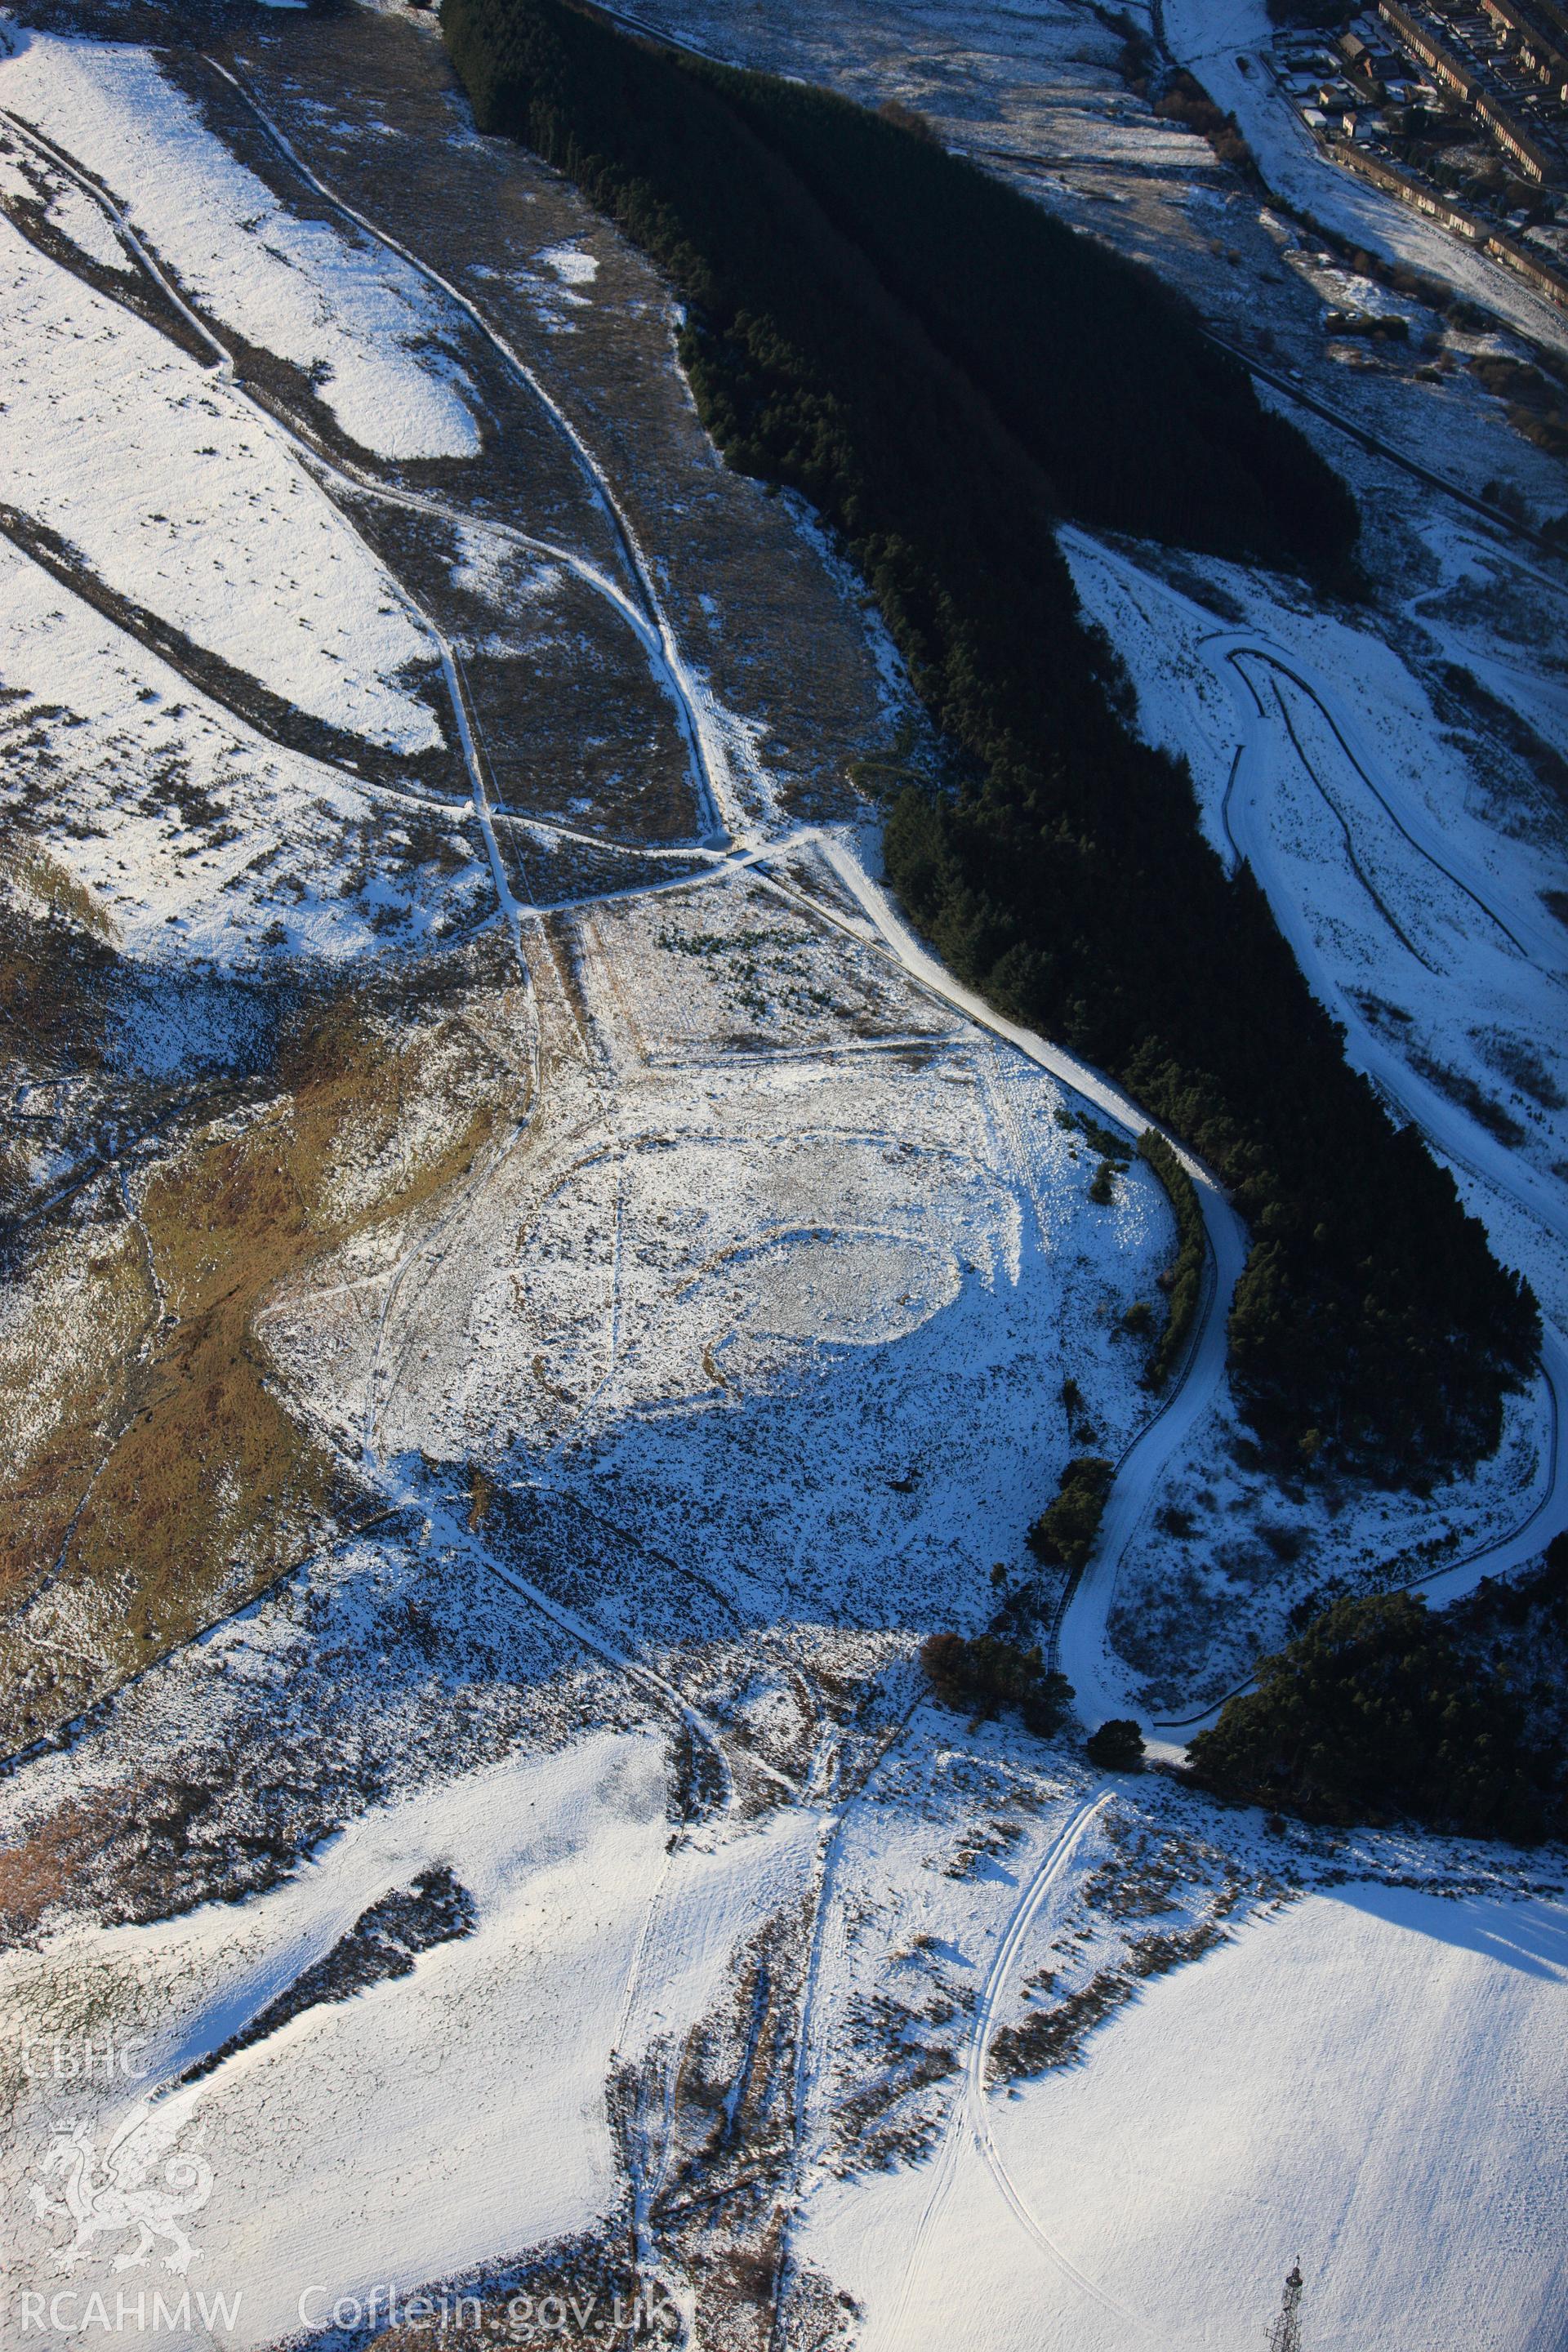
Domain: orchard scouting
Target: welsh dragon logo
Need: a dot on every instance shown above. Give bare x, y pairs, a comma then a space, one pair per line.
121, 2193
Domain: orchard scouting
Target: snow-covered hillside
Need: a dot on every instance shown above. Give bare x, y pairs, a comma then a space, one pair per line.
1357, 2069
530, 1296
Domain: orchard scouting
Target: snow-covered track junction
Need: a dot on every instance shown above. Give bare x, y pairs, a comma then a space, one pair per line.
535, 1293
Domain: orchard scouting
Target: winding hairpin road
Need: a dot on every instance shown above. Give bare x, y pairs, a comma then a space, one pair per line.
1265, 735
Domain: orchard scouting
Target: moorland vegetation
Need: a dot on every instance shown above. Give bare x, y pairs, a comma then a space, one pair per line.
945, 372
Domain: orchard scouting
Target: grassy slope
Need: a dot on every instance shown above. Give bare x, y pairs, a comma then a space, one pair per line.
167, 1478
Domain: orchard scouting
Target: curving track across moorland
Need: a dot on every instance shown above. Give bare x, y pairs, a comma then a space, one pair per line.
711, 753
1083, 1647
1265, 734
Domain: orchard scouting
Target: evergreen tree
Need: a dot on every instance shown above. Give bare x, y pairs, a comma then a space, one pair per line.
1376, 1710
1117, 1746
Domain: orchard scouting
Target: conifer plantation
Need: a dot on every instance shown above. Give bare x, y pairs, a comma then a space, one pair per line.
945, 372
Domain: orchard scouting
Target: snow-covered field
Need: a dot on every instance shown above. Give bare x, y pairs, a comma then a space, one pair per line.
408, 2097
128, 450
356, 319
558, 1874
1346, 2085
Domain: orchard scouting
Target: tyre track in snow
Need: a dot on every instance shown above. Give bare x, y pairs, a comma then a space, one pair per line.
353, 480
969, 2125
993, 1993
828, 1936
1237, 658
1082, 1637
1542, 954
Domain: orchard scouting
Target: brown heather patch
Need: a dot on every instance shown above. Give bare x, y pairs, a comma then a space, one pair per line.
42, 1870
52, 972
86, 1311
1056, 2036
27, 863
209, 1487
